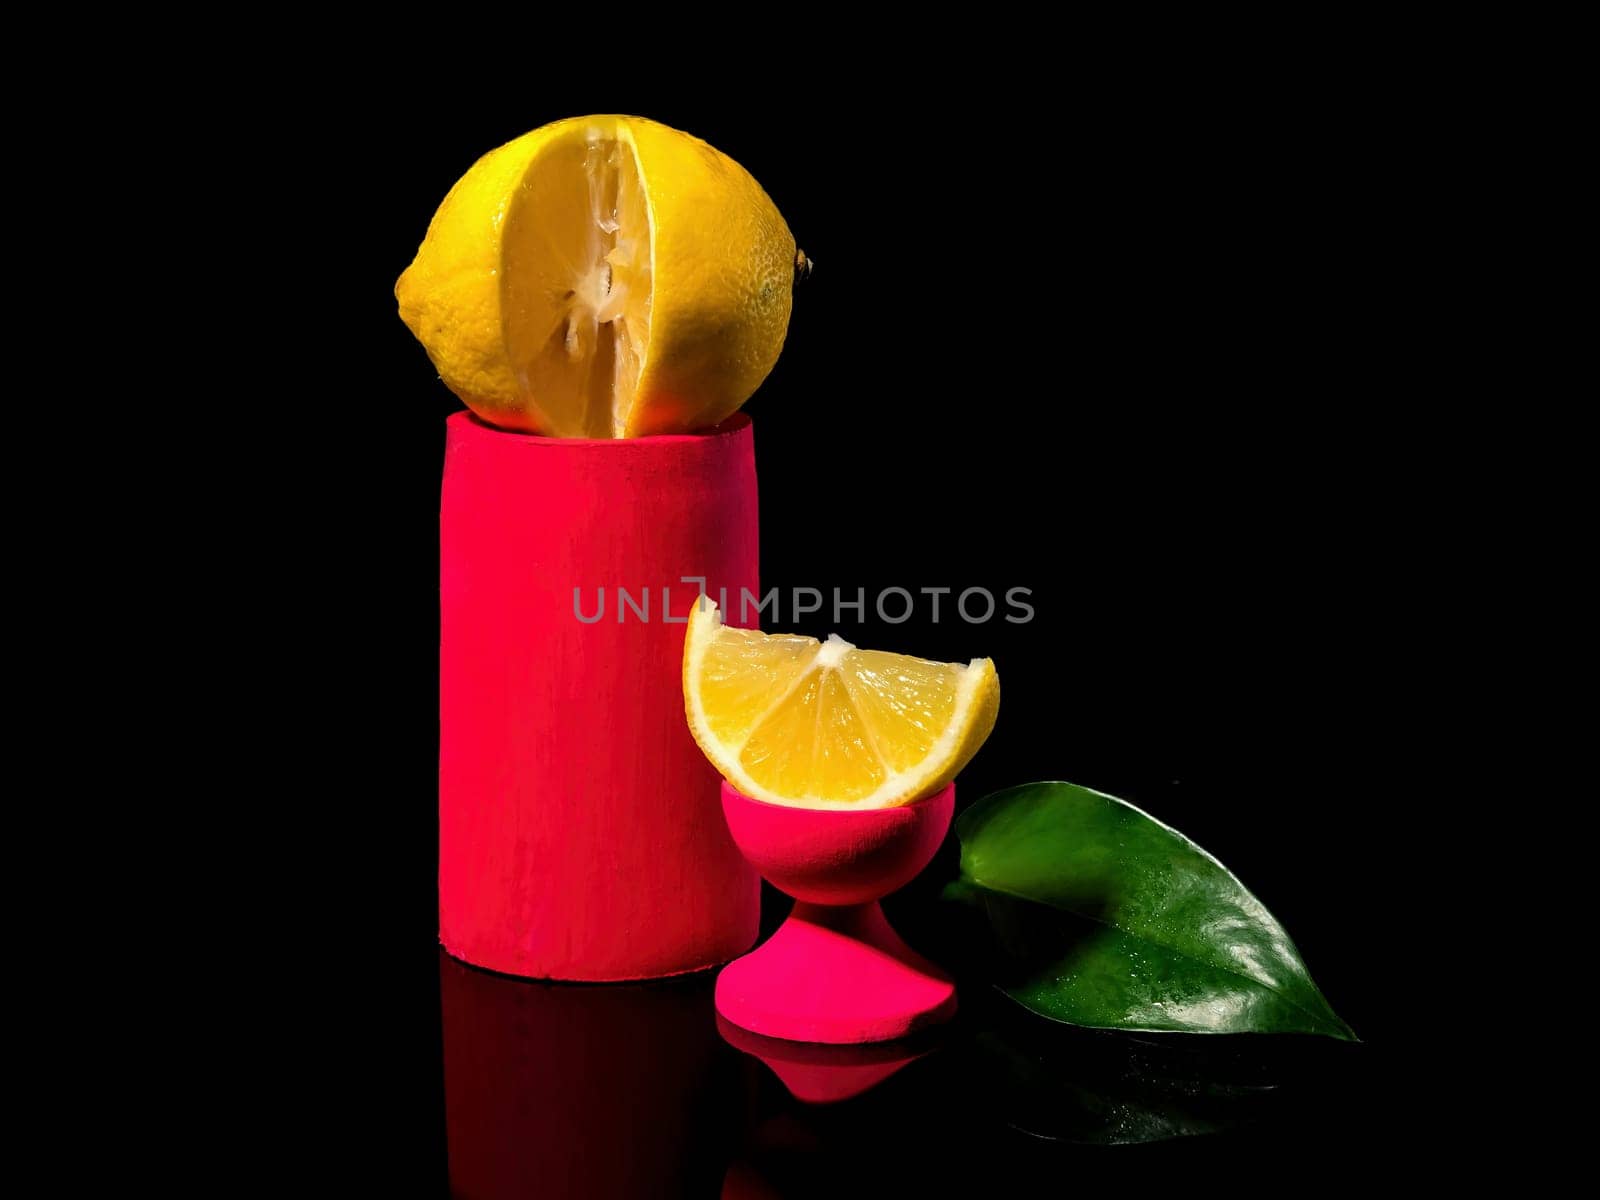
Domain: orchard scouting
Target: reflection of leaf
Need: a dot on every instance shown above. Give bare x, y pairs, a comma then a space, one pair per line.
1047, 1098
1102, 916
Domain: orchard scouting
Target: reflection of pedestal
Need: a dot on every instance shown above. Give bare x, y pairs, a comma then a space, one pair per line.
562, 1090
835, 971
817, 1074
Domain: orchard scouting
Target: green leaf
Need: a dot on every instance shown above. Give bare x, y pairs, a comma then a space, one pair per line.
1105, 917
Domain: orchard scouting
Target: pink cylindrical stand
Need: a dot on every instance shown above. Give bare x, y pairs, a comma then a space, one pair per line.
580, 832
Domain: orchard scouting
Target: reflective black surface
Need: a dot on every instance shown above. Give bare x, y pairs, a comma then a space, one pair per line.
559, 1090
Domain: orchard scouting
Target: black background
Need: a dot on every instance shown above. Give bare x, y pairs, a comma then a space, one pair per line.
1112, 343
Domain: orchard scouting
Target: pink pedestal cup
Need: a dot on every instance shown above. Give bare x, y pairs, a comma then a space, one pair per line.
835, 971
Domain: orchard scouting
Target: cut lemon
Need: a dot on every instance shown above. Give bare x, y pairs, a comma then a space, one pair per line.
603, 277
791, 720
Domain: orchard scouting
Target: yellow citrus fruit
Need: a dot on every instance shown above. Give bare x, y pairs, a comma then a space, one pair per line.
603, 277
791, 720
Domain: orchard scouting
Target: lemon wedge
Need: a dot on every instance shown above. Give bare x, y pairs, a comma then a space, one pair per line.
791, 720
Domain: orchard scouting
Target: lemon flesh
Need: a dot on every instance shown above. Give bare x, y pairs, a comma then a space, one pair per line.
576, 298
603, 277
791, 720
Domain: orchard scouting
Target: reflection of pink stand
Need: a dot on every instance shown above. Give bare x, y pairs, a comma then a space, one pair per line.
552, 1090
835, 971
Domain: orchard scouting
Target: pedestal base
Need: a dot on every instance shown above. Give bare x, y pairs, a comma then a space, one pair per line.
839, 975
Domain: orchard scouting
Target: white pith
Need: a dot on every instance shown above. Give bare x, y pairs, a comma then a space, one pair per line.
832, 652
898, 787
602, 293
